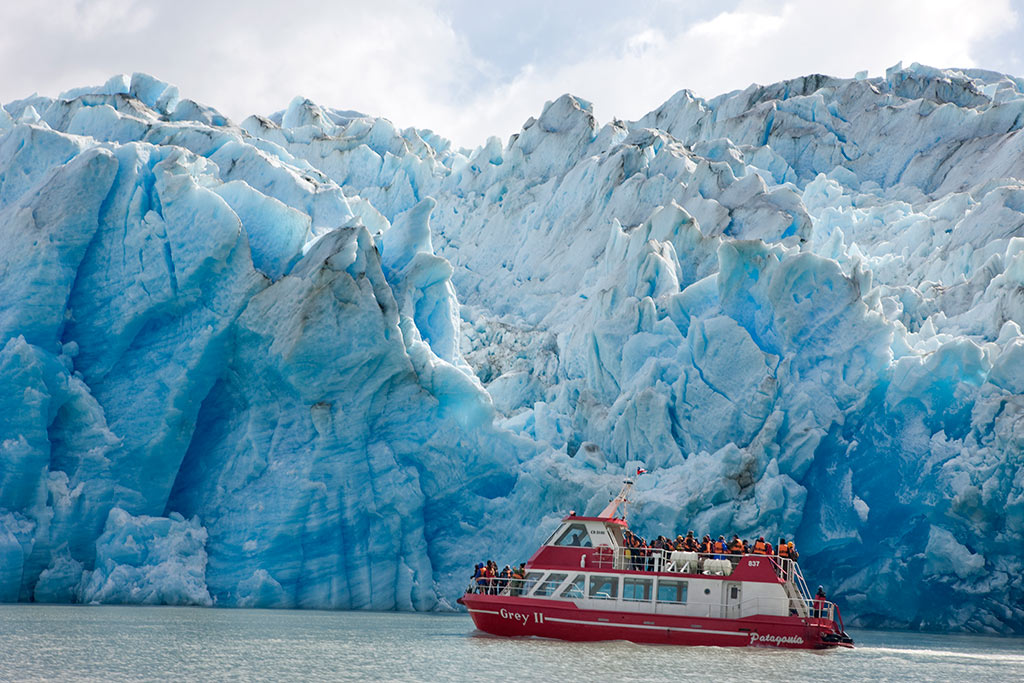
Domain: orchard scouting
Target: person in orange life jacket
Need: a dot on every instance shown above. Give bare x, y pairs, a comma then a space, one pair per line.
736, 545
819, 602
793, 554
720, 548
706, 545
759, 546
783, 552
690, 543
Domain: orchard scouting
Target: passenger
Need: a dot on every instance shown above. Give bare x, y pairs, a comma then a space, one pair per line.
768, 549
480, 576
706, 545
720, 548
690, 543
735, 545
646, 556
819, 602
783, 553
504, 578
759, 546
492, 577
793, 554
518, 576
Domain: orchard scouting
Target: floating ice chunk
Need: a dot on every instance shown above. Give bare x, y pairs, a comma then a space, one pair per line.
261, 590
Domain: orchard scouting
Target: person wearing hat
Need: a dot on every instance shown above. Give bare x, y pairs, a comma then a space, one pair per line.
735, 545
706, 545
481, 577
819, 602
504, 578
690, 543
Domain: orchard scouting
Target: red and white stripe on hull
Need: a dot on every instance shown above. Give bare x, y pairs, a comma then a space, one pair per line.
511, 616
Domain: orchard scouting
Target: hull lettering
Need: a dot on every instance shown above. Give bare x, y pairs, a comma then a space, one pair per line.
523, 619
769, 639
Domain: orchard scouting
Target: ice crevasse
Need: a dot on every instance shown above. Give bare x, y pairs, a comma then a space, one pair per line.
314, 360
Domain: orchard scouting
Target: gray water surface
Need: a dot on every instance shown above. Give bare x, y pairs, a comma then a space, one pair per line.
184, 643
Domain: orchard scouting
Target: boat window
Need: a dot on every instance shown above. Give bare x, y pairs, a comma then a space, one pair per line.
575, 588
576, 536
529, 582
547, 586
636, 589
604, 587
671, 591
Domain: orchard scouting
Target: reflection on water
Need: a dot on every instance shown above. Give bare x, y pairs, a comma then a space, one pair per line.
147, 643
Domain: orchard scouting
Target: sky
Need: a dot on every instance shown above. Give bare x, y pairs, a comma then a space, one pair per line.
469, 69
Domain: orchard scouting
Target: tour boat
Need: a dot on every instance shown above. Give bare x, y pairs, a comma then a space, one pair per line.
585, 584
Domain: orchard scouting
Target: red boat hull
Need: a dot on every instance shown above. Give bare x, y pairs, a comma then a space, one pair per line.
513, 616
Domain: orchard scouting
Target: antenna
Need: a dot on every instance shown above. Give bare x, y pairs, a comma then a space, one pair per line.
621, 499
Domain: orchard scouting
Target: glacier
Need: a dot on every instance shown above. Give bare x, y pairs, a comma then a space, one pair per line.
314, 360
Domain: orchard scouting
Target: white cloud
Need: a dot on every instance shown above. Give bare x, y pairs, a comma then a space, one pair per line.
404, 59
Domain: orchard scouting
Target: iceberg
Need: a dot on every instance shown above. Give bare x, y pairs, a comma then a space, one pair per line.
313, 360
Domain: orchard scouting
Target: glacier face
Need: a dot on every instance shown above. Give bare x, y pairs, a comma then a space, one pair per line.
313, 360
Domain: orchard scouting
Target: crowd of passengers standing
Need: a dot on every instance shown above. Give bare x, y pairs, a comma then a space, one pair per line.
639, 556
640, 553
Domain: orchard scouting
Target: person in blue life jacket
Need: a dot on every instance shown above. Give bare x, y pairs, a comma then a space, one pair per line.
480, 576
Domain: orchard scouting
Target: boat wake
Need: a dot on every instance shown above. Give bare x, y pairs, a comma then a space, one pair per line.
945, 654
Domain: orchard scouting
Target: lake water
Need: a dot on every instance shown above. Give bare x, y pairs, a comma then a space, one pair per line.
160, 643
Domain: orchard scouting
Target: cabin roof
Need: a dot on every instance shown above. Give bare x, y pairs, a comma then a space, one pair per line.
609, 520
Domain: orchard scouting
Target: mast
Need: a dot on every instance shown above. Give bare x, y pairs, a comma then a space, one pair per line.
613, 506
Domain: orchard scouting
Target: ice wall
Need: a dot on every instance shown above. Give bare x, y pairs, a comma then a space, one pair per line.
314, 360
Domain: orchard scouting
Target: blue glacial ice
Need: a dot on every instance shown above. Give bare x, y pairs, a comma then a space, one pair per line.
313, 360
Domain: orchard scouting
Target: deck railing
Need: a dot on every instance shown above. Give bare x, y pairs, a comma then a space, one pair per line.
685, 562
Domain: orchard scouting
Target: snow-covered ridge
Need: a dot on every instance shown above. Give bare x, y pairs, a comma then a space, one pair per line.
314, 360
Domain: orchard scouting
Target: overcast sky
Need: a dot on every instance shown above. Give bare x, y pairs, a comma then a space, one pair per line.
469, 69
